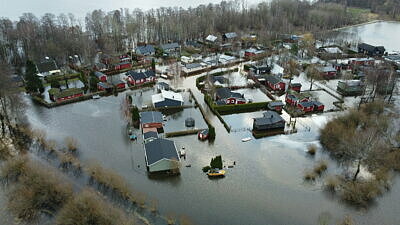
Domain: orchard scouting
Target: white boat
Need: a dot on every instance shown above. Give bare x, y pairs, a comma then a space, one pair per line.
96, 96
246, 139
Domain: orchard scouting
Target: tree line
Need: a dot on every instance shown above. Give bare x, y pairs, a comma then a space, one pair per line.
62, 36
387, 7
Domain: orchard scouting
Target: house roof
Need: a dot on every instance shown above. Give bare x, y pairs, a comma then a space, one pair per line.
276, 103
351, 83
150, 134
230, 35
269, 117
293, 97
151, 117
306, 104
104, 85
193, 65
98, 74
220, 79
163, 84
170, 46
295, 85
317, 103
140, 75
224, 93
273, 79
371, 48
211, 38
145, 49
327, 69
159, 149
166, 95
116, 81
47, 66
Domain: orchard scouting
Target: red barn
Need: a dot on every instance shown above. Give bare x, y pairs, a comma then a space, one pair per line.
101, 76
138, 78
276, 106
59, 96
275, 83
122, 66
295, 87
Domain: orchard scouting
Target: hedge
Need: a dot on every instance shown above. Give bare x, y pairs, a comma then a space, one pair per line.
240, 108
48, 79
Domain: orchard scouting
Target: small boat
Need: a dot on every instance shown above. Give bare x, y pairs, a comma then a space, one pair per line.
164, 118
246, 139
96, 96
216, 173
203, 135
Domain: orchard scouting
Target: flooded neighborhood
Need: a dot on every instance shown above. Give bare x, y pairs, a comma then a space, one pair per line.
222, 129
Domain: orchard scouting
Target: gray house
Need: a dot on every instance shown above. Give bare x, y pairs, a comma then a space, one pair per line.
145, 50
171, 49
270, 121
161, 155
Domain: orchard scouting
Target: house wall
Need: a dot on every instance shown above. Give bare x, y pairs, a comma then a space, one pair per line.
162, 165
154, 125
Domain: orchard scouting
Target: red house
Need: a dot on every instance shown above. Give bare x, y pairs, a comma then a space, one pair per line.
328, 72
295, 87
363, 61
151, 119
58, 96
122, 66
306, 106
275, 83
101, 76
224, 96
139, 78
276, 106
291, 99
118, 83
318, 106
102, 86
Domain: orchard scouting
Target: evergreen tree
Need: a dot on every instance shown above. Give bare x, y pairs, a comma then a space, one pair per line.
33, 82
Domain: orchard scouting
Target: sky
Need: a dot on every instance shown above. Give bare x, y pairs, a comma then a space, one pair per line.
12, 9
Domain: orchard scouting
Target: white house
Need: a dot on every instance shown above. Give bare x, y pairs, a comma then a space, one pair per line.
161, 155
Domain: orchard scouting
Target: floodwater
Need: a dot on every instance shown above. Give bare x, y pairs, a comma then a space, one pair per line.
266, 185
381, 33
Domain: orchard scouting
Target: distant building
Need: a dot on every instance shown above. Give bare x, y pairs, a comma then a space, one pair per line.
167, 99
103, 86
350, 87
270, 121
262, 69
229, 36
151, 119
171, 49
371, 50
161, 155
295, 87
117, 83
211, 38
362, 61
47, 67
145, 50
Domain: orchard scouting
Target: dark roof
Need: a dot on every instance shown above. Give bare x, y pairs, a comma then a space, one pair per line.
227, 93
170, 46
98, 74
159, 149
151, 117
104, 85
273, 79
163, 84
116, 81
140, 75
269, 117
371, 48
150, 134
46, 66
220, 79
293, 97
306, 104
277, 103
327, 69
295, 85
145, 49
